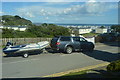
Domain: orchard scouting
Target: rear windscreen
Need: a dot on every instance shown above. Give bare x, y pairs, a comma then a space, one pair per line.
54, 40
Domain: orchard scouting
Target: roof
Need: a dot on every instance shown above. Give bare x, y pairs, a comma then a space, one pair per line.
84, 28
16, 26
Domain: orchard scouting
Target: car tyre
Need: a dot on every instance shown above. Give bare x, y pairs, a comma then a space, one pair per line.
69, 50
25, 55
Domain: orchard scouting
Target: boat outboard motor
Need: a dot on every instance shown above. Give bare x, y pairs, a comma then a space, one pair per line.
9, 44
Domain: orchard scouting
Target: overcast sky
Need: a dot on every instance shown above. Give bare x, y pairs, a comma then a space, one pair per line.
64, 12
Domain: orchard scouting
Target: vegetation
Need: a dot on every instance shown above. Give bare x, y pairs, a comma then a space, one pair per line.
43, 30
97, 73
107, 37
102, 27
50, 30
9, 20
111, 71
76, 74
10, 33
116, 28
90, 34
114, 66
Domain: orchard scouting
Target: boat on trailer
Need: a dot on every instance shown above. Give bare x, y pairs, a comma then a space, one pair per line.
25, 48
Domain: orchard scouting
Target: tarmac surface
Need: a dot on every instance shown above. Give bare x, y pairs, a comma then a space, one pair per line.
50, 63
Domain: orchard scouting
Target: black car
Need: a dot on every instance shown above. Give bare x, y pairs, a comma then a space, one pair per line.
69, 44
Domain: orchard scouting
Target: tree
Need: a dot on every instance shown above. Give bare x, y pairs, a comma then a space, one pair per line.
7, 33
115, 28
17, 17
15, 21
48, 30
44, 30
102, 27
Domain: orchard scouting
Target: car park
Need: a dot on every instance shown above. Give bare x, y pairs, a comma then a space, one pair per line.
69, 44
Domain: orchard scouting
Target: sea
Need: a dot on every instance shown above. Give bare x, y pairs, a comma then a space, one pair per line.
65, 25
86, 24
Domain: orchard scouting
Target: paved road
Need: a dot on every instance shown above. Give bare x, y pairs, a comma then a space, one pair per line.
50, 63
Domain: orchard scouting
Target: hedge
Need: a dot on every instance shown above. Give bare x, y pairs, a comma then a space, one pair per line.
114, 66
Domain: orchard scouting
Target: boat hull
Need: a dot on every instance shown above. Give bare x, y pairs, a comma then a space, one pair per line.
24, 48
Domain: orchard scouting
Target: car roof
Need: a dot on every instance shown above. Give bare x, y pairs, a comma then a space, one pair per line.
68, 36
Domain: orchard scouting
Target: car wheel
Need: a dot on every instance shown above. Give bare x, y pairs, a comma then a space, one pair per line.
25, 55
69, 50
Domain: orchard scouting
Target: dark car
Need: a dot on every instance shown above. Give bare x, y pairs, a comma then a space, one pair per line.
69, 44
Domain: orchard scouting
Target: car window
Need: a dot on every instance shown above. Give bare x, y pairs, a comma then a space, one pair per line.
76, 38
54, 39
65, 39
82, 39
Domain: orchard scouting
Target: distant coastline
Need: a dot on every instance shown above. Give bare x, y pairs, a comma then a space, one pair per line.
78, 24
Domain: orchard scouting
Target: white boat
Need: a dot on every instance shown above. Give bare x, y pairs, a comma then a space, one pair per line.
9, 49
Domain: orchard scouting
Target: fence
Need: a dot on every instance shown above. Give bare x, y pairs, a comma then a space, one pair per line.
18, 41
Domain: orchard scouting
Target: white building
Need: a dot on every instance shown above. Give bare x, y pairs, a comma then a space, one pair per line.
83, 30
21, 28
101, 30
15, 28
1, 26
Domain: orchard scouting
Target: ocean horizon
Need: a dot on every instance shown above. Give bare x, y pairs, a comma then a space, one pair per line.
68, 24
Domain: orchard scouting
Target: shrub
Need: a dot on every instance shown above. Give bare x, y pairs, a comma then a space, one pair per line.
107, 37
98, 39
118, 38
114, 66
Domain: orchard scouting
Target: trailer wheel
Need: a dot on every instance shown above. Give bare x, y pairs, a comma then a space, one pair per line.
25, 55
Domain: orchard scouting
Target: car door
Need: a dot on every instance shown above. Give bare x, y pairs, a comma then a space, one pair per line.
76, 43
83, 44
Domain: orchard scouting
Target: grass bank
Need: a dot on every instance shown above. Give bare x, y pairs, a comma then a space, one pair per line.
100, 72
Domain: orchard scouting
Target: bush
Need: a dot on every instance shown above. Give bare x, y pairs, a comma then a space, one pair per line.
118, 38
114, 66
98, 39
106, 37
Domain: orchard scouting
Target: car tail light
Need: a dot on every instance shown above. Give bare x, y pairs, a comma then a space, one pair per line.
58, 43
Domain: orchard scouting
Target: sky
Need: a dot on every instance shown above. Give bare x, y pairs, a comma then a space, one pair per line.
89, 12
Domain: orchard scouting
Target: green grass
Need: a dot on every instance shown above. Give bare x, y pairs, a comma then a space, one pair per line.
2, 46
90, 34
76, 74
84, 74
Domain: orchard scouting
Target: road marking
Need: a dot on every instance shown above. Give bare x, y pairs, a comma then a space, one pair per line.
77, 70
20, 61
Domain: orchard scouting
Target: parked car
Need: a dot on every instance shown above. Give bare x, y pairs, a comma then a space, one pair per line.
69, 44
